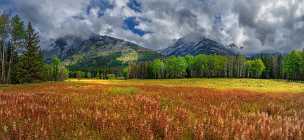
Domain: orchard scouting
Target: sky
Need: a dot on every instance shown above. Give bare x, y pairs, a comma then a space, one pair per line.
255, 25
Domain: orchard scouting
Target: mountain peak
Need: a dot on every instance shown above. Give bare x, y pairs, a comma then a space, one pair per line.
196, 44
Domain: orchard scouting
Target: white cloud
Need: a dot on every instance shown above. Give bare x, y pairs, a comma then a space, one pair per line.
255, 25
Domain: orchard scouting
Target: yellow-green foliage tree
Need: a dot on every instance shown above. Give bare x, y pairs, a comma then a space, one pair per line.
255, 68
157, 68
56, 71
176, 67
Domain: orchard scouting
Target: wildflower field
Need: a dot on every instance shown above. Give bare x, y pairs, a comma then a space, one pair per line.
211, 109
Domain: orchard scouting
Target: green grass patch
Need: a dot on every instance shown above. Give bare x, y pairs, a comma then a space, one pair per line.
250, 108
122, 91
2, 87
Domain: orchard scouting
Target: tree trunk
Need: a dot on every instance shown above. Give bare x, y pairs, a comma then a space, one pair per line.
10, 63
3, 64
1, 49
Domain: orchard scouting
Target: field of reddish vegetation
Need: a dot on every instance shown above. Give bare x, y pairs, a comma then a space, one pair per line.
95, 111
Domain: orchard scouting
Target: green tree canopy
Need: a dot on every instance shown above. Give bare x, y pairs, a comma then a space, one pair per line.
189, 59
157, 68
200, 64
293, 65
255, 68
176, 66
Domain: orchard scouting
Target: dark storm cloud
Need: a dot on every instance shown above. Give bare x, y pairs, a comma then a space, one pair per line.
256, 25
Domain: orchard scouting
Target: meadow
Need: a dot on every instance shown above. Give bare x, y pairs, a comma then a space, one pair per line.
183, 109
257, 85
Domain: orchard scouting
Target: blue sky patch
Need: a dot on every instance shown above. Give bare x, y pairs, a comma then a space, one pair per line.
135, 5
2, 2
130, 23
103, 5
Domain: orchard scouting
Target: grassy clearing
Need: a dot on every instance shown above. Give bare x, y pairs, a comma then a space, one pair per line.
258, 85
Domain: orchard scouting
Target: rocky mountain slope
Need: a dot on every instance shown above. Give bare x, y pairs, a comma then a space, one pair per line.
97, 52
194, 45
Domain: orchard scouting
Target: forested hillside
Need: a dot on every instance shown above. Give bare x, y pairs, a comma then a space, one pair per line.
98, 53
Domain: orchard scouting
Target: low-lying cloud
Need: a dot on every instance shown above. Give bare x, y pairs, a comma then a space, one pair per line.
256, 25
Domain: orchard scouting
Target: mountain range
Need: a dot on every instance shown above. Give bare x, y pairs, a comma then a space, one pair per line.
104, 51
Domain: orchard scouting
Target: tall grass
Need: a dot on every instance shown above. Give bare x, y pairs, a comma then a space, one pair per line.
90, 111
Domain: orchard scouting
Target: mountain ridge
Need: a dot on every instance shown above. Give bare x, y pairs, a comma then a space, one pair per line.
197, 45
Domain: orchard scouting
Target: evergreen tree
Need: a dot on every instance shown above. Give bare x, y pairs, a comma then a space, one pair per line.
30, 65
18, 36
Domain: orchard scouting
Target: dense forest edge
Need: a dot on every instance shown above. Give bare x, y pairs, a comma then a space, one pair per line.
209, 66
21, 61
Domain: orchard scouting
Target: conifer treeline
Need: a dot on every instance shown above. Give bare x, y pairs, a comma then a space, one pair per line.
21, 60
